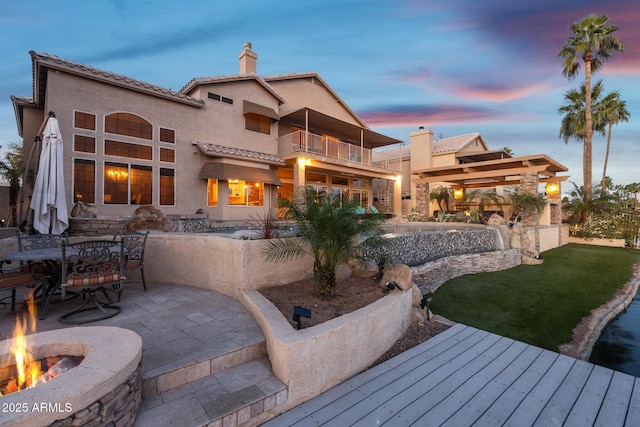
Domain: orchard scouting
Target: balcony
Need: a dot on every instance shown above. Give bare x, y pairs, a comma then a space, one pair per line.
333, 149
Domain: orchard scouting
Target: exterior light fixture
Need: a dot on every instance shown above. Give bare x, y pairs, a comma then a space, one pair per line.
458, 193
299, 312
552, 189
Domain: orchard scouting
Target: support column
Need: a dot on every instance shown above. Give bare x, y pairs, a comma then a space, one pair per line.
299, 176
397, 197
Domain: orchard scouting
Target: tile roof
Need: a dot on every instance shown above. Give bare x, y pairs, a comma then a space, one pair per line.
454, 143
214, 150
52, 61
230, 78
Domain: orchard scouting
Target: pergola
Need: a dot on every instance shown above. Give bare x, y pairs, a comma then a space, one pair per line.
493, 168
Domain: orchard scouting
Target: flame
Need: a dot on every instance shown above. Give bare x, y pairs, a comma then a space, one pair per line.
28, 369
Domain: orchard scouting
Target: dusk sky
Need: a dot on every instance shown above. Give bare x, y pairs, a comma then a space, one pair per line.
455, 67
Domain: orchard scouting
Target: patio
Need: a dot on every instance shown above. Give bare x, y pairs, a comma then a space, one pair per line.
204, 356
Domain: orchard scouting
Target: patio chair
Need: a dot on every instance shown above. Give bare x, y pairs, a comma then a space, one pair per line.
89, 267
134, 244
15, 278
32, 242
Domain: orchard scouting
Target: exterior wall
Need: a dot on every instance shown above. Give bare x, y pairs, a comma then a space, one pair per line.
216, 122
301, 93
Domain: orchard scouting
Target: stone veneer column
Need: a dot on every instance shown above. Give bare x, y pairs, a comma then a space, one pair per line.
529, 185
422, 199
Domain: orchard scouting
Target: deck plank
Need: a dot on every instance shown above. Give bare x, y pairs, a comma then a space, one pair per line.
529, 409
585, 409
466, 376
616, 401
482, 401
558, 407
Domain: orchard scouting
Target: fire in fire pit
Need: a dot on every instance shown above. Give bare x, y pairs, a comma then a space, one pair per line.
27, 372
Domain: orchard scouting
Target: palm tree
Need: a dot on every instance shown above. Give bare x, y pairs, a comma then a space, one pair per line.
635, 189
441, 194
573, 123
613, 111
11, 169
591, 41
330, 232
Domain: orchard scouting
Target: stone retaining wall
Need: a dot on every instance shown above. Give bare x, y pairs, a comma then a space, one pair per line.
96, 226
117, 408
430, 276
416, 248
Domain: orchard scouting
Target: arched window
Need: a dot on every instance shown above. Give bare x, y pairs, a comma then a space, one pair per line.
128, 124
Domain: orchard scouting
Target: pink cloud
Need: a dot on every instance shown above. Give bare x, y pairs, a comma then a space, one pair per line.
433, 116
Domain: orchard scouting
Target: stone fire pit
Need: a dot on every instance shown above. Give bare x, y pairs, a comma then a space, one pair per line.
104, 388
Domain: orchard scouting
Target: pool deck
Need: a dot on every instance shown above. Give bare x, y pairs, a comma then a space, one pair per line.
465, 376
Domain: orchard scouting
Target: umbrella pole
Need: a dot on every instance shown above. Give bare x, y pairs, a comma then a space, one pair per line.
22, 215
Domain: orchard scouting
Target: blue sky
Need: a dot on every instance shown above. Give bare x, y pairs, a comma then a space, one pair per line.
455, 67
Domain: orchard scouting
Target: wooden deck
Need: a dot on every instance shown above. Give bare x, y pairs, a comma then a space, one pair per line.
465, 376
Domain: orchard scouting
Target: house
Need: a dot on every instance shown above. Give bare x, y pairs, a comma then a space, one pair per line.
465, 164
228, 146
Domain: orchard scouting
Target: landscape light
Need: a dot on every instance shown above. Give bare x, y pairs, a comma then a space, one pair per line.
299, 312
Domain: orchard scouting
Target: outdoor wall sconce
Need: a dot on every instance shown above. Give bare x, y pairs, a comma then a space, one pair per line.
299, 312
458, 193
552, 189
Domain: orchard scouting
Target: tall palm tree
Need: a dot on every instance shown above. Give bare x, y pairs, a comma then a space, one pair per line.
592, 41
612, 111
573, 123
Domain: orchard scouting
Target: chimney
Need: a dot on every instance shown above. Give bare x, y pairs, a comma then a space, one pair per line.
421, 148
248, 60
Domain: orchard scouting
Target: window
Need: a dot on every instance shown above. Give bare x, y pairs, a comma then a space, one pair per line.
246, 193
84, 120
212, 192
257, 123
167, 155
84, 181
141, 185
124, 185
167, 186
84, 144
167, 135
129, 125
125, 149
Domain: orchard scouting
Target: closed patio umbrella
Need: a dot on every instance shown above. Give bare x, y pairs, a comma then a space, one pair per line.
48, 202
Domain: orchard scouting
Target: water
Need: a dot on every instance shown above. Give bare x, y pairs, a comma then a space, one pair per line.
619, 344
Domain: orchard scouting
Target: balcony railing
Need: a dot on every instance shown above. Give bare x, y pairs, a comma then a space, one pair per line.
301, 141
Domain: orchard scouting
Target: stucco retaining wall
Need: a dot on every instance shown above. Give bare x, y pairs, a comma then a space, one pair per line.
314, 359
218, 263
614, 243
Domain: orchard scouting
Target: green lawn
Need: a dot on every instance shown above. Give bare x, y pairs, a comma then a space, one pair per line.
538, 304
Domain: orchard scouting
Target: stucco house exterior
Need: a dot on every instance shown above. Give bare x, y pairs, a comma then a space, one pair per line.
227, 146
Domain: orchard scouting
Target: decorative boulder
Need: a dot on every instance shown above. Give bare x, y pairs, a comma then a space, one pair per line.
496, 219
343, 272
364, 269
398, 273
84, 210
149, 217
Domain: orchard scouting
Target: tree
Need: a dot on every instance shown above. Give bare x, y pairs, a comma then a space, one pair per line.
441, 194
634, 188
612, 111
573, 123
11, 170
330, 232
592, 42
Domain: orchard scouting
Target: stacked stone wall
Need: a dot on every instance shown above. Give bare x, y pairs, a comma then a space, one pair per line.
430, 276
117, 408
